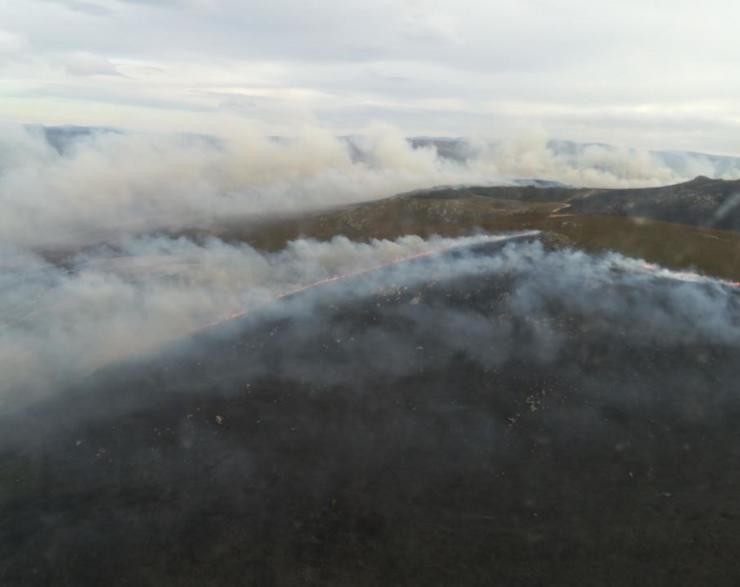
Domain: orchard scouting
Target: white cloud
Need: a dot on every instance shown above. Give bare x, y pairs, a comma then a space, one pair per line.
88, 64
10, 43
427, 65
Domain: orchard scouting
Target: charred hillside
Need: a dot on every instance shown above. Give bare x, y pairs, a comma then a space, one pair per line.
537, 417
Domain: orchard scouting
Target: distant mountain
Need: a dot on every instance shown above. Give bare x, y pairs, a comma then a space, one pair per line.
710, 203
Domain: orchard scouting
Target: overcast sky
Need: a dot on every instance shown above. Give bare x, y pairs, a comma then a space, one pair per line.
646, 73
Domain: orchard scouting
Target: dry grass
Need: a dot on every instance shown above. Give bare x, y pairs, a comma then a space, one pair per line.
713, 252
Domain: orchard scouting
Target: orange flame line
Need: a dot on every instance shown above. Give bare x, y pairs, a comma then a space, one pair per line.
337, 278
332, 279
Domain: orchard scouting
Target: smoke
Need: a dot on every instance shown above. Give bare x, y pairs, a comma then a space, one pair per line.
139, 292
531, 293
90, 187
110, 184
496, 373
109, 304
534, 156
490, 371
60, 323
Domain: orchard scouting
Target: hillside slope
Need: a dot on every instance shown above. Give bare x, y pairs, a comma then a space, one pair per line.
461, 211
550, 421
700, 202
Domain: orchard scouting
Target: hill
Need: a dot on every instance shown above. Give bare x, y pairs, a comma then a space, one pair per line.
700, 202
581, 218
545, 418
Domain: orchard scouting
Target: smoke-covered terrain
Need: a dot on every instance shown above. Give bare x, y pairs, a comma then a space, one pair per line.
241, 361
504, 412
61, 322
77, 186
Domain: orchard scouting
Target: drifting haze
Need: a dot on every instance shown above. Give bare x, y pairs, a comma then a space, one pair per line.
60, 324
89, 187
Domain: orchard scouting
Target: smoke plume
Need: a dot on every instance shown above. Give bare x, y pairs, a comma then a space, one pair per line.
139, 292
80, 187
174, 410
62, 323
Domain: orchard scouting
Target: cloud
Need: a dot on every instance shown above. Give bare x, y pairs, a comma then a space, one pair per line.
543, 61
86, 64
431, 28
11, 44
83, 7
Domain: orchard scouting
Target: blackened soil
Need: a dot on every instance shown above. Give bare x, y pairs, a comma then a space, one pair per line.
418, 436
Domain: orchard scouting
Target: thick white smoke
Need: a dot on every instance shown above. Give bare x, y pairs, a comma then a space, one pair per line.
60, 323
113, 184
110, 184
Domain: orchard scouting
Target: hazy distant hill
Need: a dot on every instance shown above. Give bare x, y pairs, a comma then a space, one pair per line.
701, 202
712, 203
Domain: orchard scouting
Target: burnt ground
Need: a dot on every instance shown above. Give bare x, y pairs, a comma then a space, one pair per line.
423, 434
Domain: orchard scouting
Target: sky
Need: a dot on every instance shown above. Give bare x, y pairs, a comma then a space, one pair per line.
644, 73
